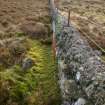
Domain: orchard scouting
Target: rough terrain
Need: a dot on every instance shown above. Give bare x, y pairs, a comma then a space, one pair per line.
28, 73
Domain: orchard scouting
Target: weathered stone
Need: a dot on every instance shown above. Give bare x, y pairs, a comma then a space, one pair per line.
71, 90
27, 64
80, 101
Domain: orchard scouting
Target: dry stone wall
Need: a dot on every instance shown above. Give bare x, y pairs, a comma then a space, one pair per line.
81, 70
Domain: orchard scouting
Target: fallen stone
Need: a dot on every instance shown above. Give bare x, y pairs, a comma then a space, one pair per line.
27, 64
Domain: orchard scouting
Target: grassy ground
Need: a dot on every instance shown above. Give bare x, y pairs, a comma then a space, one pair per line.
36, 86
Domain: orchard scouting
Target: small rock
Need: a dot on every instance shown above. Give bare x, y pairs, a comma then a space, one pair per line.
90, 89
80, 101
99, 53
62, 64
27, 63
78, 76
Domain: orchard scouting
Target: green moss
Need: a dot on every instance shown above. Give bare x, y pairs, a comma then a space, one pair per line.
103, 57
19, 34
36, 86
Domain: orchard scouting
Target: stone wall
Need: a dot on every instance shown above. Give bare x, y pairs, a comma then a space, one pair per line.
81, 70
